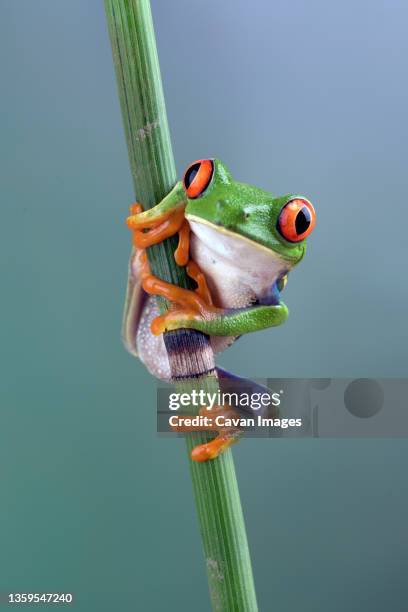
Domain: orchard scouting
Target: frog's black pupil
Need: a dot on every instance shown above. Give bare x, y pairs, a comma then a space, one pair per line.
303, 220
191, 174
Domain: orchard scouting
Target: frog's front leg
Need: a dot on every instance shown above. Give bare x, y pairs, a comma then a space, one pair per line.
161, 222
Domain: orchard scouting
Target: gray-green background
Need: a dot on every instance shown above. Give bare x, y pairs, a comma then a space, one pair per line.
293, 96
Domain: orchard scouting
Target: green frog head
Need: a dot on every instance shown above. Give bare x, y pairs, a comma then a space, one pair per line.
279, 224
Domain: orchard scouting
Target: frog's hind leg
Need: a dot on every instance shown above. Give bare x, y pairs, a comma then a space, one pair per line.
215, 447
227, 434
193, 313
228, 429
197, 275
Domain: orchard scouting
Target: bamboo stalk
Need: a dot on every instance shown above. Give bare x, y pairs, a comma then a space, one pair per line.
191, 359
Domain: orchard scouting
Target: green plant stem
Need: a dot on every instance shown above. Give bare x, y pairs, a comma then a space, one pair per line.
191, 359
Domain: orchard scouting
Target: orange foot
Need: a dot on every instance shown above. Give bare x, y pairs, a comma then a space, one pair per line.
227, 434
147, 232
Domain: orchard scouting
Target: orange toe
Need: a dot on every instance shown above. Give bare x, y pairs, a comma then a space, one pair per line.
214, 448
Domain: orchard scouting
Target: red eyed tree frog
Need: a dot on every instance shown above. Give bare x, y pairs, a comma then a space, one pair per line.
237, 242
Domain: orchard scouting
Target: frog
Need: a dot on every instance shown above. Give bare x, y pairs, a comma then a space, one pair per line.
238, 244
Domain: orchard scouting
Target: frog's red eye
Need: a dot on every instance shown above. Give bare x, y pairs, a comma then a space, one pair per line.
197, 177
296, 220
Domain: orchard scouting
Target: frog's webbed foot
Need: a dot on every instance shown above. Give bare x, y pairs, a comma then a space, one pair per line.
227, 434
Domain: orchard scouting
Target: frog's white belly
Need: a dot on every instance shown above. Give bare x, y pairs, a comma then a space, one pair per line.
238, 271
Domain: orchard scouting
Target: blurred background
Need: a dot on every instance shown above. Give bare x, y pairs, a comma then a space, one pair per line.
296, 96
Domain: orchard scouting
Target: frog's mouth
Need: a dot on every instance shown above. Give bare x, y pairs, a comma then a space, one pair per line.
198, 222
204, 229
